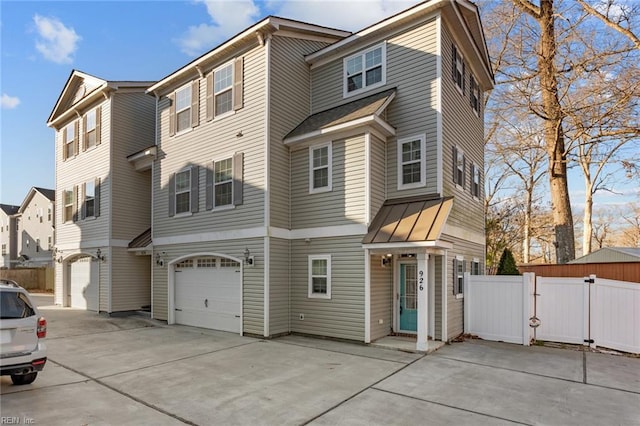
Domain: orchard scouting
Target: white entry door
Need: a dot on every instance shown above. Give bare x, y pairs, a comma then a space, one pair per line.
84, 284
207, 293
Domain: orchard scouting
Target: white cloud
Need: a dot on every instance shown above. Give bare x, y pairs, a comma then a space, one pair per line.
9, 102
57, 42
227, 19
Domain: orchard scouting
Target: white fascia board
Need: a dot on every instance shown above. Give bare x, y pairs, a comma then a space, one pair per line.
409, 245
372, 120
103, 89
236, 234
305, 27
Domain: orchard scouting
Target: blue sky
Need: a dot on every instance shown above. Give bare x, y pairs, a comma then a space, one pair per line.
43, 41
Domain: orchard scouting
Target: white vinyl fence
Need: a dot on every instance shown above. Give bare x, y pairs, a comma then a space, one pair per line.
588, 310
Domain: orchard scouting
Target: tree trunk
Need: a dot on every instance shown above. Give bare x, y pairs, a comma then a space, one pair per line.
554, 136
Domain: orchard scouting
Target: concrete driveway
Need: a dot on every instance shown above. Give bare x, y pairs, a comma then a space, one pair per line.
138, 371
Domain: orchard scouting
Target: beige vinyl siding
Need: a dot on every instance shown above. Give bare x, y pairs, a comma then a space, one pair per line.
86, 166
34, 230
131, 280
342, 316
467, 211
381, 298
455, 307
377, 183
253, 277
290, 105
215, 140
437, 294
279, 286
344, 204
133, 118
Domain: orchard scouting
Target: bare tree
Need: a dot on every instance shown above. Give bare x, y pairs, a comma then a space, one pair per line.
616, 15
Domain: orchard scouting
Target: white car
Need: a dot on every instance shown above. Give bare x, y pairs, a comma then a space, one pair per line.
22, 332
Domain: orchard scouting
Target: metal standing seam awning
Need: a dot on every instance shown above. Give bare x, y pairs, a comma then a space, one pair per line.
406, 222
142, 244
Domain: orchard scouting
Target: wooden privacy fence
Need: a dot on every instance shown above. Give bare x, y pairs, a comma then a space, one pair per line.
621, 271
517, 309
31, 278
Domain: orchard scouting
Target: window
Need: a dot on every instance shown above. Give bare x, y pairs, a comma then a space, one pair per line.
68, 205
49, 214
183, 191
411, 162
474, 95
89, 199
38, 245
475, 181
459, 266
458, 69
320, 166
475, 266
90, 138
459, 165
183, 108
68, 136
320, 277
223, 89
26, 241
365, 70
49, 243
223, 182
4, 249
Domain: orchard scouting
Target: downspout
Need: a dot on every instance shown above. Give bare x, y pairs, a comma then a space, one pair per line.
153, 174
267, 196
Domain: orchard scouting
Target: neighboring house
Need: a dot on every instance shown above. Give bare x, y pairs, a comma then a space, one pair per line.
8, 235
103, 193
610, 254
314, 181
36, 228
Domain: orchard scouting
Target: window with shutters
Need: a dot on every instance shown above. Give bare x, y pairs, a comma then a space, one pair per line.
320, 276
458, 69
37, 245
90, 130
49, 243
223, 89
183, 191
475, 181
320, 168
69, 135
474, 95
89, 199
67, 214
459, 165
365, 70
183, 108
223, 182
475, 266
49, 214
458, 276
411, 162
4, 249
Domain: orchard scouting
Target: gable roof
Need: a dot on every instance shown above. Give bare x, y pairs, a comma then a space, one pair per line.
611, 254
80, 90
347, 115
9, 209
50, 194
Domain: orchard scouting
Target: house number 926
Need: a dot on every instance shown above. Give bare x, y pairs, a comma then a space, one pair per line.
421, 280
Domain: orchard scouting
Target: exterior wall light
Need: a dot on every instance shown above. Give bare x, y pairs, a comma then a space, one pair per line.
248, 259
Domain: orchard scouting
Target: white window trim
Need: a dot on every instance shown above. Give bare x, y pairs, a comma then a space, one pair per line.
67, 141
458, 184
460, 260
423, 152
329, 166
64, 206
475, 260
474, 89
175, 195
311, 294
365, 88
476, 171
93, 216
213, 91
460, 68
190, 128
213, 189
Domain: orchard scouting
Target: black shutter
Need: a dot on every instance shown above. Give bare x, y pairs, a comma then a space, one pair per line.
454, 55
83, 202
172, 195
455, 164
455, 276
238, 171
209, 187
96, 202
195, 189
464, 75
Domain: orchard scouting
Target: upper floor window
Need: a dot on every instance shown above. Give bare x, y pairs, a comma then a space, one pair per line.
183, 109
365, 70
223, 89
91, 128
459, 165
320, 168
223, 182
411, 162
89, 208
49, 214
475, 181
69, 140
320, 276
183, 191
474, 95
458, 69
68, 204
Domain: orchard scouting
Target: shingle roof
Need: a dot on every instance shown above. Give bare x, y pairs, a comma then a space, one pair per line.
142, 240
49, 193
9, 209
344, 113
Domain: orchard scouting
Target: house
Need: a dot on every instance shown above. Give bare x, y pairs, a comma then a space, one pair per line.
8, 235
610, 255
35, 228
103, 193
309, 180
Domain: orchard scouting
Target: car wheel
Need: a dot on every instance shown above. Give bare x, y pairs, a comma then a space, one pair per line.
23, 379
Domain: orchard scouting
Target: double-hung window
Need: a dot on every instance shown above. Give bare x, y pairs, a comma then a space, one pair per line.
68, 200
459, 165
475, 266
320, 168
183, 191
183, 108
320, 276
89, 199
4, 249
223, 182
223, 89
69, 133
90, 131
411, 162
458, 69
475, 181
365, 70
474, 95
459, 266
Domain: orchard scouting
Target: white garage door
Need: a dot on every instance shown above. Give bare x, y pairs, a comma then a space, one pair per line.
207, 293
84, 284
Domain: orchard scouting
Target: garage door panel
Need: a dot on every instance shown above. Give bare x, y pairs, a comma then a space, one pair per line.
208, 296
83, 285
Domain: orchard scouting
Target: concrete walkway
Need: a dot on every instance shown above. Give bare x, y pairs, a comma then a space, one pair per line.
138, 371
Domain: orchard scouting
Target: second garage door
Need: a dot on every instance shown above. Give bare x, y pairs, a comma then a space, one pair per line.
207, 293
84, 284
